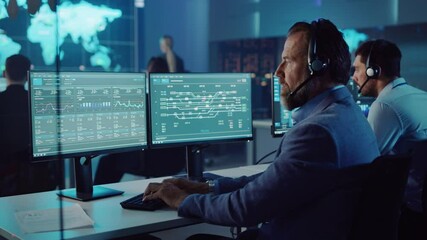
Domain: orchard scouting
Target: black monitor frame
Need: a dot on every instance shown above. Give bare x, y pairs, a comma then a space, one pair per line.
194, 149
277, 109
82, 160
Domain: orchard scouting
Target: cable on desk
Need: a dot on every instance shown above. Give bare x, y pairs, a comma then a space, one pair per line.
265, 156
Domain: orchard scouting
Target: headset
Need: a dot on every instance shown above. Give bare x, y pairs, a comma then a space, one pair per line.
316, 64
372, 70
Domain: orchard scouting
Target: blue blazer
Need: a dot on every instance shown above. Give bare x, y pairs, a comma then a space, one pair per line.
305, 193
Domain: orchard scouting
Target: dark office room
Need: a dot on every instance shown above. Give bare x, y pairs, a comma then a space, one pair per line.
213, 119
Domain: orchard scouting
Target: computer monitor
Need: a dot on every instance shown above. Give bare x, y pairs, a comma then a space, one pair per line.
365, 104
192, 109
83, 114
3, 84
281, 117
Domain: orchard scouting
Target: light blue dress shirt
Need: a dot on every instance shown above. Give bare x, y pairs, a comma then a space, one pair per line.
399, 114
398, 117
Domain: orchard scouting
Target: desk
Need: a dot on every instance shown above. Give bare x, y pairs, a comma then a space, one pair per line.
111, 220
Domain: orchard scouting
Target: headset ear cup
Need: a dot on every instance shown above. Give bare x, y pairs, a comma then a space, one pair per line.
317, 66
370, 72
373, 71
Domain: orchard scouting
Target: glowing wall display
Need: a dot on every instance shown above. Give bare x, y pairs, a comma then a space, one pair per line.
80, 24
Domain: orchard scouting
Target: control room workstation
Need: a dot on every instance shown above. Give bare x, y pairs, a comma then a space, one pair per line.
83, 114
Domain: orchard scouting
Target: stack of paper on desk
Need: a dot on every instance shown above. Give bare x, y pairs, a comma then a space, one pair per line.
48, 219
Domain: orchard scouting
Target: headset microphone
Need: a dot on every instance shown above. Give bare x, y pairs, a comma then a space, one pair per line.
292, 93
360, 89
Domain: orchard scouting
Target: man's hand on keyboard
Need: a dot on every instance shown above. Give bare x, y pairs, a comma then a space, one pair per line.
168, 192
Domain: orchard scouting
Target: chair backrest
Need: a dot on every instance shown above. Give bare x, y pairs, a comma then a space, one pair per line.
17, 174
378, 211
416, 187
418, 172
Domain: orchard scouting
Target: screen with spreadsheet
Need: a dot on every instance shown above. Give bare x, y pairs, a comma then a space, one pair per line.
84, 113
193, 108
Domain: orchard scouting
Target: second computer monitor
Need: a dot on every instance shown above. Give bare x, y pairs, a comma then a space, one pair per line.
281, 117
197, 108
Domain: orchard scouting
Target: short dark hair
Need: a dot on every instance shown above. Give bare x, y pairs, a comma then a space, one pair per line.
384, 54
17, 67
330, 45
157, 65
168, 40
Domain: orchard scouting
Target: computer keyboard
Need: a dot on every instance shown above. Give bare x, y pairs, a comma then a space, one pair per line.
206, 176
147, 205
152, 205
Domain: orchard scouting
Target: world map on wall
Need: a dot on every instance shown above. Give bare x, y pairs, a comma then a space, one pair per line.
80, 21
353, 38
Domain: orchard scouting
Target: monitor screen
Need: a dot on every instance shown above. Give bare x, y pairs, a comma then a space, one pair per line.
193, 108
281, 117
365, 104
3, 84
96, 112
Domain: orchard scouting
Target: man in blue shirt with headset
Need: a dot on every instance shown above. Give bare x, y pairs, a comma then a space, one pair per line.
396, 115
301, 195
398, 118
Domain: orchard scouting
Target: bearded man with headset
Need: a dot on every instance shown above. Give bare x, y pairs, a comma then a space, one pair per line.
298, 196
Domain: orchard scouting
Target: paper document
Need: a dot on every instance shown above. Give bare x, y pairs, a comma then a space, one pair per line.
48, 219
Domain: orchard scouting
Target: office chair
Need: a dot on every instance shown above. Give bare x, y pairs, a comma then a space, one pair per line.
378, 210
419, 167
424, 197
413, 221
18, 175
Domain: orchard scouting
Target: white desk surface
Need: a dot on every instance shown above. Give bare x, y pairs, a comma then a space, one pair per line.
111, 220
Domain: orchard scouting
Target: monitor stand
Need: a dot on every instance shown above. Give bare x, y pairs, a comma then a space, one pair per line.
85, 191
195, 165
194, 161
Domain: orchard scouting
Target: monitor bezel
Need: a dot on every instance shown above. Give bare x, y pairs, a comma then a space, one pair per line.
82, 153
274, 132
192, 143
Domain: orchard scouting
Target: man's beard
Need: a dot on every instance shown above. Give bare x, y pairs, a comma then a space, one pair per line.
368, 91
297, 100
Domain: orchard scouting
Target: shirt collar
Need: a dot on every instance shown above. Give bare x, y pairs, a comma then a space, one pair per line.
305, 110
391, 85
15, 86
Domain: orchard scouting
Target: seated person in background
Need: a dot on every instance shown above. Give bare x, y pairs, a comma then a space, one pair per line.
295, 198
397, 116
157, 65
17, 174
148, 163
